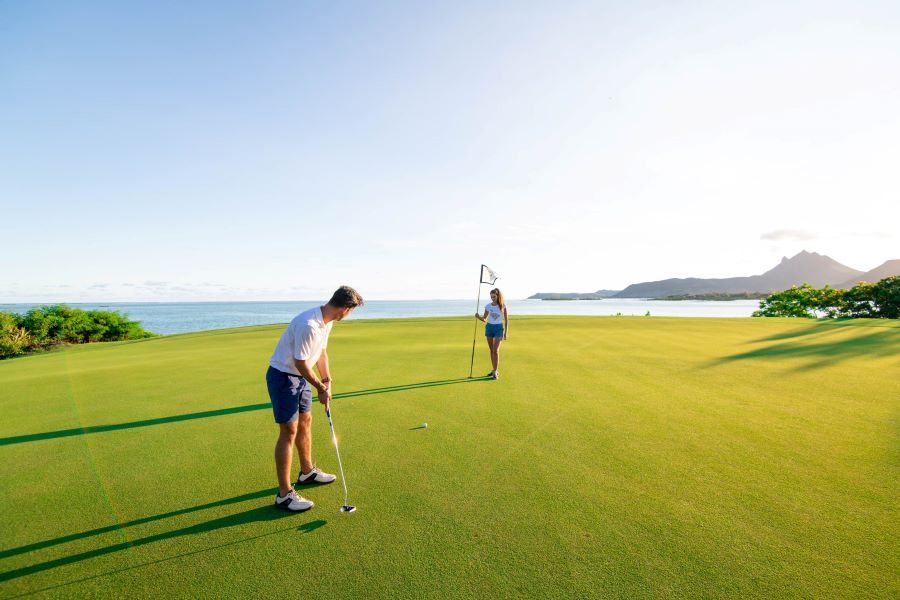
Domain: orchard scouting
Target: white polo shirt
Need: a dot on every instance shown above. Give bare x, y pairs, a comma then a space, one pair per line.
305, 338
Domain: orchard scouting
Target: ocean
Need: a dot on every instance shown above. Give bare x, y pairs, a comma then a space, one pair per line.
184, 317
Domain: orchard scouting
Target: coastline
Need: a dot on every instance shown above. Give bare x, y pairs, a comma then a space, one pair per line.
184, 317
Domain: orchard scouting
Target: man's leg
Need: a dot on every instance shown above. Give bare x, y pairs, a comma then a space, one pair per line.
284, 450
304, 442
304, 449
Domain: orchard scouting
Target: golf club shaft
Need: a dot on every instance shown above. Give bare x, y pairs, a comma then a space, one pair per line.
336, 451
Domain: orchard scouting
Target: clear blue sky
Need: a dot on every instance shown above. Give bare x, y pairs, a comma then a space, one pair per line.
275, 150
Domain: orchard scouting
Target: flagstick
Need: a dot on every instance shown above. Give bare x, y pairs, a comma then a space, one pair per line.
475, 331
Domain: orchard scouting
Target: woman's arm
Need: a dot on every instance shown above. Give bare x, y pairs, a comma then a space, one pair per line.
505, 323
482, 318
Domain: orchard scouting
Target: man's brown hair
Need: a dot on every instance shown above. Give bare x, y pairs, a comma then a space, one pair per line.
345, 297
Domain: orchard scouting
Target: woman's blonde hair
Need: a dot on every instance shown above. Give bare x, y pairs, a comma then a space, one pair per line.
500, 299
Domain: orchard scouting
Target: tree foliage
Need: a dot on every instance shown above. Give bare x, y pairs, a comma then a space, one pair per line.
47, 326
865, 300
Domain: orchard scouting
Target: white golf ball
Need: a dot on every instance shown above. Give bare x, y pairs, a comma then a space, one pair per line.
425, 425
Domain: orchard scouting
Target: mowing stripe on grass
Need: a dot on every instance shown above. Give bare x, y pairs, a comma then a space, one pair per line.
104, 492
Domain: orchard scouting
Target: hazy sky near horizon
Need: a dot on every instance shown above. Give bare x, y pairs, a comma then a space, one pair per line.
275, 150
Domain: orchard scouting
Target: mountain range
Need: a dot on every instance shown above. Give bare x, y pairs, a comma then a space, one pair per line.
806, 267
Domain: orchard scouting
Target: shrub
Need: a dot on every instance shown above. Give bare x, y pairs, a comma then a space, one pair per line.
14, 339
8, 321
60, 324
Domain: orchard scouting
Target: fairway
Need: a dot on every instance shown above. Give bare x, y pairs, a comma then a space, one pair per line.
616, 457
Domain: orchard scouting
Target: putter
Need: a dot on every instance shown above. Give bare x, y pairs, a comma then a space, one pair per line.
346, 507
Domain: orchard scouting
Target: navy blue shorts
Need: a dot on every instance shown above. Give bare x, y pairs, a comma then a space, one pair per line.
290, 395
493, 330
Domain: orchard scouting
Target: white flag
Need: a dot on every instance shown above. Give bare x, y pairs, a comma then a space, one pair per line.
488, 275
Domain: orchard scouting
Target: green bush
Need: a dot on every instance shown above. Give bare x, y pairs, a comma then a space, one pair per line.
14, 339
8, 321
110, 326
47, 326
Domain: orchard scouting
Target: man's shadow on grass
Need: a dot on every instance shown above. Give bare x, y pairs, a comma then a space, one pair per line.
48, 435
815, 343
253, 515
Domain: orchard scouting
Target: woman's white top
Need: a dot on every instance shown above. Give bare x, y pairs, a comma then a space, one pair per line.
495, 314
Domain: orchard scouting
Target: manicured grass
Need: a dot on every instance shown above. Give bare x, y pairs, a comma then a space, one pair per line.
621, 457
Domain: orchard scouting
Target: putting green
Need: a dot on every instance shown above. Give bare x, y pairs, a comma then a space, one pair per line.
616, 457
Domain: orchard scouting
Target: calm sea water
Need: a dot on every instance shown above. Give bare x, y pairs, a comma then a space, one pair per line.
183, 317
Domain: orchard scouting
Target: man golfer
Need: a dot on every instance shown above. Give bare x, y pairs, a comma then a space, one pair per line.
301, 348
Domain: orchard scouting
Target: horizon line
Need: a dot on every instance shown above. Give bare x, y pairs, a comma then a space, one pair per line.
101, 302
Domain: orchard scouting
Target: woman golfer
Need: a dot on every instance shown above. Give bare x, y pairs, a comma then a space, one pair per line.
495, 330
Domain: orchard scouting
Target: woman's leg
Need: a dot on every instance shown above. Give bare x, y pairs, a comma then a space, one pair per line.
490, 343
496, 357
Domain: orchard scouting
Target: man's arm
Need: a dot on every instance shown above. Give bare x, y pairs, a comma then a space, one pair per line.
306, 369
322, 366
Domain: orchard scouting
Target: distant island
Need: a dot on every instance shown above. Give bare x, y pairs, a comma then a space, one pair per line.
598, 295
719, 297
805, 267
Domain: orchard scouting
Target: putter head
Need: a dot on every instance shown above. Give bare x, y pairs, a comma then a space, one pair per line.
348, 508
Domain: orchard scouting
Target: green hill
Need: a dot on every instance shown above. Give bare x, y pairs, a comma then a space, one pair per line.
616, 457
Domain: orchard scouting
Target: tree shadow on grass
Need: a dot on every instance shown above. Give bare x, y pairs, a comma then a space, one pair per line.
821, 354
48, 435
253, 515
822, 327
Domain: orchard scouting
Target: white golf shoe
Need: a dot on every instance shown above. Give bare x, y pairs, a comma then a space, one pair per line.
315, 477
293, 502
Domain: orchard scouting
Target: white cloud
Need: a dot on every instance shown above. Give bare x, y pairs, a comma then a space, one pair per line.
793, 235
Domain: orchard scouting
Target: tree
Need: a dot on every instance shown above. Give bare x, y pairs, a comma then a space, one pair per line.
886, 297
795, 302
865, 300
